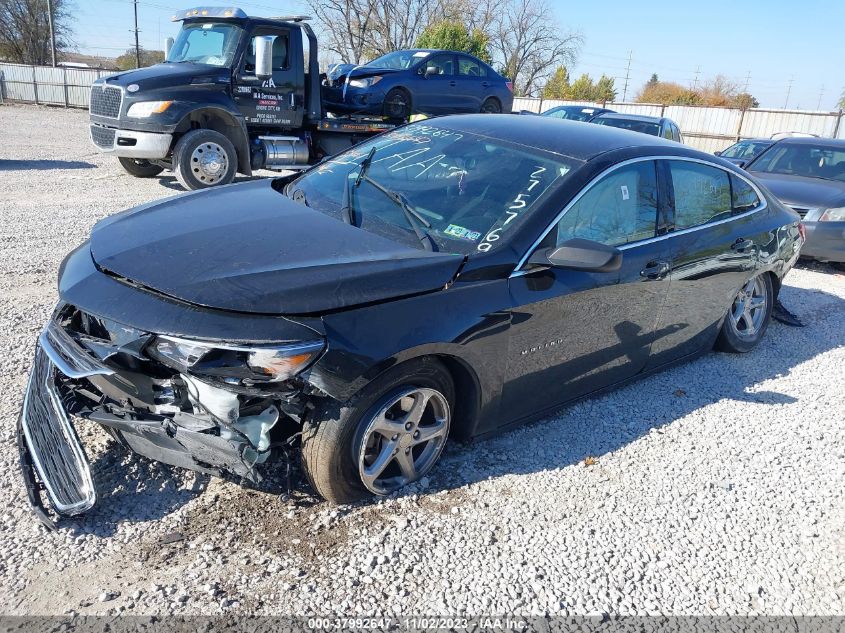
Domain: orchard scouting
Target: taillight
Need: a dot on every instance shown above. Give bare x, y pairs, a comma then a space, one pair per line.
509, 84
802, 231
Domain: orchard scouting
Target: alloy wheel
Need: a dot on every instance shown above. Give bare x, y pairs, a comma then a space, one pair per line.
403, 440
209, 162
749, 308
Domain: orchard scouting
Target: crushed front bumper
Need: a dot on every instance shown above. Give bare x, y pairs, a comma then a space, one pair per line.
130, 143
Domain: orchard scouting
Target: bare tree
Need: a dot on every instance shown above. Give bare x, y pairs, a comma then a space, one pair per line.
344, 24
529, 44
25, 30
398, 23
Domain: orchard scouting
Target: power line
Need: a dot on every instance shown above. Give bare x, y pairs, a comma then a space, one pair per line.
695, 81
137, 45
52, 31
788, 90
747, 79
821, 92
627, 74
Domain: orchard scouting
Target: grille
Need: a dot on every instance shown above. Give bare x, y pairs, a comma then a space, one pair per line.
102, 136
56, 452
105, 100
802, 211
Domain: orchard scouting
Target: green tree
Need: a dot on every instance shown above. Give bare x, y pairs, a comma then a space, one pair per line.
744, 101
604, 90
148, 58
582, 89
454, 36
557, 87
841, 103
668, 93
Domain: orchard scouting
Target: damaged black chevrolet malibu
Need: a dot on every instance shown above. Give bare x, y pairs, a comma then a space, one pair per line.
448, 279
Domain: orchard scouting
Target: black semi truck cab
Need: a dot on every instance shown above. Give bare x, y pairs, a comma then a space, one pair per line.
235, 94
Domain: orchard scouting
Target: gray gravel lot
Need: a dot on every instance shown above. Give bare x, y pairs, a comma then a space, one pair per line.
713, 488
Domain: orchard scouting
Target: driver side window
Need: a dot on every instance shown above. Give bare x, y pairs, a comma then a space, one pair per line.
444, 64
619, 209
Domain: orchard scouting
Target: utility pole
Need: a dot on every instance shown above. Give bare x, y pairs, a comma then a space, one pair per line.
821, 92
52, 31
137, 46
695, 81
747, 80
788, 90
627, 74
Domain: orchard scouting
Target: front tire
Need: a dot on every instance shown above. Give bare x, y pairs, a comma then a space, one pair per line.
387, 437
204, 158
397, 104
139, 167
748, 317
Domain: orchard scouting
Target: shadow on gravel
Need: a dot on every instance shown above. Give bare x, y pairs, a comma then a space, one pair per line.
149, 490
32, 165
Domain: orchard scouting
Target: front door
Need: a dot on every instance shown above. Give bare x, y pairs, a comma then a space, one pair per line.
574, 332
436, 93
277, 102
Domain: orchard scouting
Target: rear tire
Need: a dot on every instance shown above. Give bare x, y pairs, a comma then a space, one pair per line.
397, 104
745, 325
204, 158
139, 167
337, 438
491, 106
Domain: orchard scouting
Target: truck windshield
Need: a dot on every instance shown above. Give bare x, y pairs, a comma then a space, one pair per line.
212, 43
471, 190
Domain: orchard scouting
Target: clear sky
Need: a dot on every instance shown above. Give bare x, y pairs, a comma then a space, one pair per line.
768, 42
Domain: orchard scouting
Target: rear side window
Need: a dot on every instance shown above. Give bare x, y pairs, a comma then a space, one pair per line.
667, 132
743, 196
702, 193
619, 209
470, 68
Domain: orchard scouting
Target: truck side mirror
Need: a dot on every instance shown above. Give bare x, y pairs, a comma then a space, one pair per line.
264, 57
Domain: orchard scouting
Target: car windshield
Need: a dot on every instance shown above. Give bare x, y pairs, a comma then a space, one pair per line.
803, 160
571, 114
399, 60
635, 125
212, 43
745, 149
472, 191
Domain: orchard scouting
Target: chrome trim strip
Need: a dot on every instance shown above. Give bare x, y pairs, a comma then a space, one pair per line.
67, 356
518, 271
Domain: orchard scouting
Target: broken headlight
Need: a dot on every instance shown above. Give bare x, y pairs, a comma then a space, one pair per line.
234, 364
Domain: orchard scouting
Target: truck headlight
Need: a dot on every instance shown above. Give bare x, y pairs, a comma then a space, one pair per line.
833, 215
366, 82
234, 364
143, 109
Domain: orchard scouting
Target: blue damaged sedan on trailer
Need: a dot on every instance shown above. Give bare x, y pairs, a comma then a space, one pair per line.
425, 81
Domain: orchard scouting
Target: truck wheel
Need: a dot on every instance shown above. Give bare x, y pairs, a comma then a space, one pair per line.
397, 104
204, 158
140, 168
387, 437
491, 106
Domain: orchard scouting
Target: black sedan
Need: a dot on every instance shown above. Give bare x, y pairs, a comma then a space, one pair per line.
651, 125
450, 278
808, 174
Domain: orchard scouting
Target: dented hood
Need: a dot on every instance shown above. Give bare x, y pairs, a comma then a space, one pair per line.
248, 248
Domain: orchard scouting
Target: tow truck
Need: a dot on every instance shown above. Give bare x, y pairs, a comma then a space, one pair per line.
235, 94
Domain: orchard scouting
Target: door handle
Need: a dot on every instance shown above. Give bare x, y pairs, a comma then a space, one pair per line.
742, 245
453, 83
486, 84
655, 270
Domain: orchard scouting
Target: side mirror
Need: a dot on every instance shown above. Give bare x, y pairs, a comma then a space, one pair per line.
168, 46
264, 57
719, 153
580, 254
741, 164
431, 70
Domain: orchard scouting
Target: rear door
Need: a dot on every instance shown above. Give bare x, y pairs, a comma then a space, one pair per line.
574, 332
473, 84
436, 94
714, 244
280, 100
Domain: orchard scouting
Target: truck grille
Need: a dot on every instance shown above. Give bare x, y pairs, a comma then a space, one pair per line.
102, 136
105, 100
56, 452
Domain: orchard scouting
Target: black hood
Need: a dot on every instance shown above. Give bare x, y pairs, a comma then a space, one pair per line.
803, 191
167, 75
248, 248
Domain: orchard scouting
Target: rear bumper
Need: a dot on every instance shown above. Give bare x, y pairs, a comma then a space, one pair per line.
825, 241
130, 143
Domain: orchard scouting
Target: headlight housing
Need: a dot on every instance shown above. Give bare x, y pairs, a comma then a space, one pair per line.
833, 215
144, 109
249, 366
366, 82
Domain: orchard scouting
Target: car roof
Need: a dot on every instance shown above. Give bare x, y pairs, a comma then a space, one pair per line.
579, 140
632, 117
827, 143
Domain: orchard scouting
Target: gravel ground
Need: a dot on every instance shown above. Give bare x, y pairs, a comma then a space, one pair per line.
713, 488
